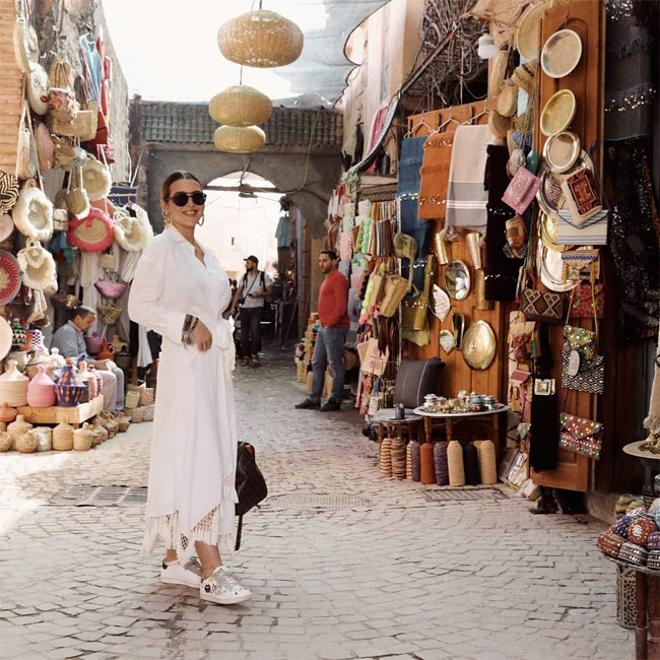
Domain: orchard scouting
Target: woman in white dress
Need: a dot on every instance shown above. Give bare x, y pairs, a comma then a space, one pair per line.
181, 292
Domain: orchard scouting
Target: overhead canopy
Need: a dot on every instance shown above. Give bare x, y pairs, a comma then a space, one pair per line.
319, 75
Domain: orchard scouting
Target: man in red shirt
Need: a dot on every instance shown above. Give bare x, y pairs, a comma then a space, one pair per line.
329, 348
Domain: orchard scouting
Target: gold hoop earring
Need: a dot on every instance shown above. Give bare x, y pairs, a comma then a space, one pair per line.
166, 218
201, 221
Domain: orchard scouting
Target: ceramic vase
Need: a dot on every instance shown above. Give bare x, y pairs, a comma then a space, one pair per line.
7, 413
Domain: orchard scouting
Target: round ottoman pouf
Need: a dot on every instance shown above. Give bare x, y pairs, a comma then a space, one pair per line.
416, 466
471, 464
398, 452
621, 527
640, 530
487, 462
426, 469
440, 461
385, 462
455, 463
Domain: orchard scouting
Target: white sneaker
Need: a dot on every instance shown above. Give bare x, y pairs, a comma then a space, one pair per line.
188, 574
222, 588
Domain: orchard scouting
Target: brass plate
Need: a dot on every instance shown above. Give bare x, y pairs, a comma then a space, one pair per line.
479, 345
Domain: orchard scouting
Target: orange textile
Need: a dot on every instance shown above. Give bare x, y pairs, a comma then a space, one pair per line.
435, 177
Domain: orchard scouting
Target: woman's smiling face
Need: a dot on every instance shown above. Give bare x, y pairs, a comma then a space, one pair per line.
183, 216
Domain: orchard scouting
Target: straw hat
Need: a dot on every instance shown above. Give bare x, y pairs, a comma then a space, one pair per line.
561, 53
498, 70
507, 100
132, 234
10, 277
33, 213
37, 266
558, 112
528, 34
96, 178
26, 45
499, 125
93, 233
525, 75
8, 191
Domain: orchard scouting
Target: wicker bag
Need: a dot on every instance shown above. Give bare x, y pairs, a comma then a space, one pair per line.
109, 313
26, 162
146, 396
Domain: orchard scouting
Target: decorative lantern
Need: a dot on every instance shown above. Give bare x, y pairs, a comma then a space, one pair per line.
260, 38
239, 140
240, 105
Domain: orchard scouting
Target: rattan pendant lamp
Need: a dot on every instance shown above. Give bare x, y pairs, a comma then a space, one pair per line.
239, 139
240, 105
260, 38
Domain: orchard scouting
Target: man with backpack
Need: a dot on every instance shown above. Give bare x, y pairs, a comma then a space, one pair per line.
253, 288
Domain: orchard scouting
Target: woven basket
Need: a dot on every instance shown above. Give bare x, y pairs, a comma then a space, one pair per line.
137, 415
132, 400
426, 467
260, 38
416, 476
148, 413
63, 437
440, 463
409, 461
83, 126
146, 396
5, 441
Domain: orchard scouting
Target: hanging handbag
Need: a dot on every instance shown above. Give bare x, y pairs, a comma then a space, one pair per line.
580, 435
521, 190
396, 288
251, 487
583, 369
110, 289
372, 360
545, 306
414, 310
26, 162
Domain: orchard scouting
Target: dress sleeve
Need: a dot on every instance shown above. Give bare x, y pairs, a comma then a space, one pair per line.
144, 305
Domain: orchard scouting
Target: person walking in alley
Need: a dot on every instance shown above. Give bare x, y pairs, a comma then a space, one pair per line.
180, 291
251, 294
329, 348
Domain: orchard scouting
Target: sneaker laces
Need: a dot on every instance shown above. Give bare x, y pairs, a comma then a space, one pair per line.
225, 580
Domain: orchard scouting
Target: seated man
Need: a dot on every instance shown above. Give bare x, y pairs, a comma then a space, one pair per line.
69, 339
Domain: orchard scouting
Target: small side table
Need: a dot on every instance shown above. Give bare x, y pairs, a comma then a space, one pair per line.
405, 429
651, 465
647, 626
448, 420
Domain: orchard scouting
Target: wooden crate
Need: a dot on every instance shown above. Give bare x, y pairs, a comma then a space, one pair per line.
74, 415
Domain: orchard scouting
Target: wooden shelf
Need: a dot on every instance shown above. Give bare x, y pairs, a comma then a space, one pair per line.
74, 415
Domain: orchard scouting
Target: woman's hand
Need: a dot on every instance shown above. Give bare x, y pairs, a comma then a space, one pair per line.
202, 337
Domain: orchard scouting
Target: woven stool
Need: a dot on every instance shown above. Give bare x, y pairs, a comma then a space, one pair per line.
385, 457
398, 457
427, 471
409, 466
487, 462
440, 462
471, 464
455, 464
416, 467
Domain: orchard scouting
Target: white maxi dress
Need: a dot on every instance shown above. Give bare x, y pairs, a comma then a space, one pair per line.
193, 454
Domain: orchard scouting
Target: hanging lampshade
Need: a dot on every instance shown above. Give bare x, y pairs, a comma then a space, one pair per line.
240, 105
260, 38
239, 140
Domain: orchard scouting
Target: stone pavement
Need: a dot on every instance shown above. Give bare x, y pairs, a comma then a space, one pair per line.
342, 563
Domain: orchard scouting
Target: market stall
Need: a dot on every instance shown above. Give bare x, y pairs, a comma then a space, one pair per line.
68, 236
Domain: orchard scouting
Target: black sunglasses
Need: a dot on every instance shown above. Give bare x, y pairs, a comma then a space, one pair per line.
181, 198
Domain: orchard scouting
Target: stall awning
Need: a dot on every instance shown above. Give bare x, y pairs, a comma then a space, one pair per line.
319, 75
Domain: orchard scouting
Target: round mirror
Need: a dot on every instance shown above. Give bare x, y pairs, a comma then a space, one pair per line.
457, 279
446, 341
479, 345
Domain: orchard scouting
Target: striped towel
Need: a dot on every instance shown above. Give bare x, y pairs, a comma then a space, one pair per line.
466, 196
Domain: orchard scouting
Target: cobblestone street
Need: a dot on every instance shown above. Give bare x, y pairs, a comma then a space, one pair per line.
342, 563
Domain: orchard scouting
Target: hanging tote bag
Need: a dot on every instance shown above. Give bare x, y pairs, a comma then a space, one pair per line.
92, 233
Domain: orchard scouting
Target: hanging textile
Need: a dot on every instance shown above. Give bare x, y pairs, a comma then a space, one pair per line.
500, 270
466, 197
412, 154
435, 177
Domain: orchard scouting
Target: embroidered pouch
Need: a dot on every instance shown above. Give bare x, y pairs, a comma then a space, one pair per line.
583, 376
581, 435
583, 307
521, 190
546, 306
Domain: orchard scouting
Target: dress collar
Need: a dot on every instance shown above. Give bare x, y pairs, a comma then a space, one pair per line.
75, 327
